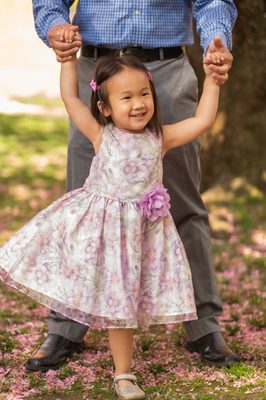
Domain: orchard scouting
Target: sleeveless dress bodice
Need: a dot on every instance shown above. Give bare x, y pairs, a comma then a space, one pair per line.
127, 164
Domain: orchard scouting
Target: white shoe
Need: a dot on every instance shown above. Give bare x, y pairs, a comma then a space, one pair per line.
128, 392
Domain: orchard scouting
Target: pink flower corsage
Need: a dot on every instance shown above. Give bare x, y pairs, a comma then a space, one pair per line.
155, 204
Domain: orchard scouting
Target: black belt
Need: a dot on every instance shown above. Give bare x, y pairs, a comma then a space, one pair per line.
145, 55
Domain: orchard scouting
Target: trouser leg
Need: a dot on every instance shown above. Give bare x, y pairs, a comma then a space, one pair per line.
191, 220
80, 154
176, 86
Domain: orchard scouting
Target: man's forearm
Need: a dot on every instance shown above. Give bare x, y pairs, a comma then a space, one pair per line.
48, 14
215, 18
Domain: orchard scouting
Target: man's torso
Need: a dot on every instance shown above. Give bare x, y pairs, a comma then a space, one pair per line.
148, 24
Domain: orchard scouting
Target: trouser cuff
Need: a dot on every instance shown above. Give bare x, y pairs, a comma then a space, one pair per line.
201, 327
70, 330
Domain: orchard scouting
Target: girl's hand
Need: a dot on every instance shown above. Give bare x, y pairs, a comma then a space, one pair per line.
68, 34
215, 58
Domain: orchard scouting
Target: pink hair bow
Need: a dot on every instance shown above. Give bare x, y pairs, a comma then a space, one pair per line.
150, 77
94, 86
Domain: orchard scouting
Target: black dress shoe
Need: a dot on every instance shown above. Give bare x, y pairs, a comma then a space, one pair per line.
54, 351
213, 350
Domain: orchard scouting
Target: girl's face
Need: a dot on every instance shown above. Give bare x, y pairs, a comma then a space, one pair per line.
130, 98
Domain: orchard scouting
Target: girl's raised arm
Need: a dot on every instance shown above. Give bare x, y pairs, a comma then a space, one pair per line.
79, 113
183, 132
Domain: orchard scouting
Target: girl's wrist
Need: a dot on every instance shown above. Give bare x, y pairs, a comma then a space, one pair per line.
72, 61
208, 77
210, 81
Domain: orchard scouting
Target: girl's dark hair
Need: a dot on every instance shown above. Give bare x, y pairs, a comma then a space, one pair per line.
105, 68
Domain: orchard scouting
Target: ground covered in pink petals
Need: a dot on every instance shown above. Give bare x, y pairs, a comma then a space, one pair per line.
164, 368
31, 180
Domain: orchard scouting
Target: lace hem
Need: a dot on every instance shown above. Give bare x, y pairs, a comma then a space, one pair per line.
95, 321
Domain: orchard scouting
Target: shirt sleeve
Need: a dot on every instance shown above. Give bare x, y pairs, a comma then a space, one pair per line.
214, 18
48, 14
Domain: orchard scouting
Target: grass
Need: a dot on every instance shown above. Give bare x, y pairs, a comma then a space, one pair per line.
32, 174
8, 343
39, 100
32, 166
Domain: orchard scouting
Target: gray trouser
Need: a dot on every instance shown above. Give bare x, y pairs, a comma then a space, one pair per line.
176, 86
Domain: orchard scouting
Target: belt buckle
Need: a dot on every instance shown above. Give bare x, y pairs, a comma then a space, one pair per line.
131, 50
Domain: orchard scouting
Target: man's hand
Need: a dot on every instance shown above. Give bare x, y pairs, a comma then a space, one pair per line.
220, 70
64, 50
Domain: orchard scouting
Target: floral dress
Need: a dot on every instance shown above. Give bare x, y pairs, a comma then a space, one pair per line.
108, 254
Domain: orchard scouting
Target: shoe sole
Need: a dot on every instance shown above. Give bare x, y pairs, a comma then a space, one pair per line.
220, 364
191, 350
78, 350
44, 369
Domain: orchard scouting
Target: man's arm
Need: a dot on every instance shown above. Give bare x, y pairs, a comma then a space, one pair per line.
48, 14
214, 18
48, 18
214, 21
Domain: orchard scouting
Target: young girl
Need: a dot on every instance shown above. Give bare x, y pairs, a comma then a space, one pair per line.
108, 254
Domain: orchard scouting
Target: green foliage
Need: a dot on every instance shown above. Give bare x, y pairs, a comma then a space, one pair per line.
40, 100
255, 262
232, 329
241, 370
64, 372
258, 322
145, 343
7, 342
32, 165
36, 381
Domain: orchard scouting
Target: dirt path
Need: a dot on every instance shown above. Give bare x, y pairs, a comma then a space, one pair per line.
27, 66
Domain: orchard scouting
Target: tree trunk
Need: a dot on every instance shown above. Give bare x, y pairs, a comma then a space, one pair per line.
236, 145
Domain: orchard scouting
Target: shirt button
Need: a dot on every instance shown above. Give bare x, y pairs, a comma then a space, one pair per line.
137, 12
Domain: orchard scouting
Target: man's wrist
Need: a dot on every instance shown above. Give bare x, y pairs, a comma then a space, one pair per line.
210, 39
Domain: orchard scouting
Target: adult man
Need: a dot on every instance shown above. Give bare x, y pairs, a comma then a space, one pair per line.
155, 31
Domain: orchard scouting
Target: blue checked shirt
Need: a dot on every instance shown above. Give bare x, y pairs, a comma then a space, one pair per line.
146, 23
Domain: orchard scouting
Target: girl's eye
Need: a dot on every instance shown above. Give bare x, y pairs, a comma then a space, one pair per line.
125, 98
145, 94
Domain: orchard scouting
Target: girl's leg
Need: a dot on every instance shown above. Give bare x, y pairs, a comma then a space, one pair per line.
121, 344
